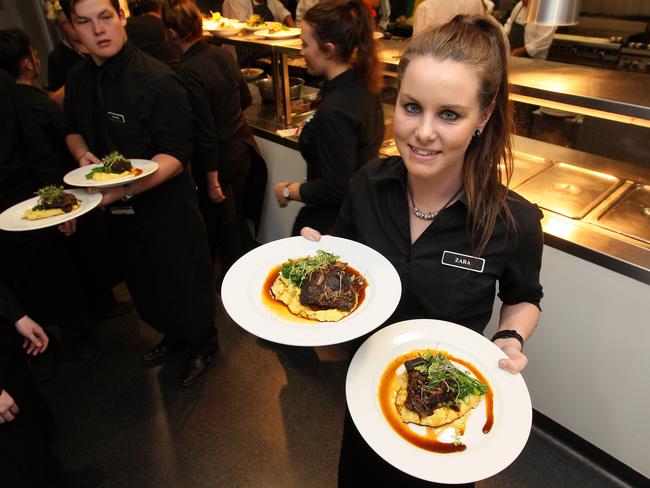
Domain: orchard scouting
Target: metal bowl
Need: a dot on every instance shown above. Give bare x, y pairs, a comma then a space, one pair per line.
266, 88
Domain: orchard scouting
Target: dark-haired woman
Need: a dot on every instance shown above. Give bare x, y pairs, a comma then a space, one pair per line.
348, 128
224, 147
443, 199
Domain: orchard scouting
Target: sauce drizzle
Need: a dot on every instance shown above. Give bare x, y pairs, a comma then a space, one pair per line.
389, 383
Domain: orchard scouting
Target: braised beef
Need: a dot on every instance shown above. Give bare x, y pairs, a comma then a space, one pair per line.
420, 397
64, 201
329, 288
121, 165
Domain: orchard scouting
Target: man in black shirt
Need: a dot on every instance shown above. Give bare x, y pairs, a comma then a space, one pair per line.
121, 99
18, 57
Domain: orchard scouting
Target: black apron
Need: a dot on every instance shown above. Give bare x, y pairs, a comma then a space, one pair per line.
263, 10
517, 33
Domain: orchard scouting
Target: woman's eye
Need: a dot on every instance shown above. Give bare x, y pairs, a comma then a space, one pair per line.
412, 108
448, 115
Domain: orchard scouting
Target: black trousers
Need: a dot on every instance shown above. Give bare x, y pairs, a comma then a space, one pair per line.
26, 460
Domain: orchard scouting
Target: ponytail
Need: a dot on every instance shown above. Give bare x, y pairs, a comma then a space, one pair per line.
183, 17
349, 27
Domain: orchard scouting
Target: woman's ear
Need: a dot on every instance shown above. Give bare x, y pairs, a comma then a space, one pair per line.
329, 49
485, 117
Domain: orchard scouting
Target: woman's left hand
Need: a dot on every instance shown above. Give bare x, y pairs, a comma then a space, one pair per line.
279, 188
36, 339
517, 360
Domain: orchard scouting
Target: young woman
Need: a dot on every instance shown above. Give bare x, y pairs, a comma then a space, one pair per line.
348, 127
224, 147
443, 198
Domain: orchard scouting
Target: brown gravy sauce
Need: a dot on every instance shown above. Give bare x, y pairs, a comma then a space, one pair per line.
283, 311
389, 384
137, 171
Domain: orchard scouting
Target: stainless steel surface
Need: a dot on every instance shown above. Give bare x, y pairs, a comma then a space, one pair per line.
553, 12
267, 93
526, 166
630, 214
614, 92
569, 190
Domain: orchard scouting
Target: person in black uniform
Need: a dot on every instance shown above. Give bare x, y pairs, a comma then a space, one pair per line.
348, 128
145, 29
224, 147
443, 199
66, 53
19, 58
122, 99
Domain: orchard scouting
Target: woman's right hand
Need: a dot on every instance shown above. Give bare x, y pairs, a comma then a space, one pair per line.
311, 234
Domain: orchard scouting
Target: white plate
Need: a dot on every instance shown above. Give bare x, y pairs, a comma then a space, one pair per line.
241, 292
486, 454
377, 35
12, 218
292, 32
77, 177
227, 31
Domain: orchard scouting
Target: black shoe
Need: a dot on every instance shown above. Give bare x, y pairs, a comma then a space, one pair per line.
197, 364
159, 353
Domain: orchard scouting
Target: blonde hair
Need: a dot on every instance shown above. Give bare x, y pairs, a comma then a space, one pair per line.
479, 42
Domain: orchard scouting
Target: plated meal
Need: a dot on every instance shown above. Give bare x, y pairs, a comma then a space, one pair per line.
114, 170
52, 200
328, 292
222, 25
113, 166
430, 388
52, 206
429, 398
320, 288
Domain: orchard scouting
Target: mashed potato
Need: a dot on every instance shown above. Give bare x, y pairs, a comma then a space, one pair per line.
110, 176
31, 214
289, 294
441, 416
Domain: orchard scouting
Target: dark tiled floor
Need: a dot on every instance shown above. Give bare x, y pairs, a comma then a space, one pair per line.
264, 416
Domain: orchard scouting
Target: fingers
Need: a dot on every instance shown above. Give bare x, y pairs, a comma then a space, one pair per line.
68, 228
310, 234
516, 362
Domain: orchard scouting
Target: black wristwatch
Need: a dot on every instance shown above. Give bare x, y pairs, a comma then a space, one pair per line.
128, 193
509, 334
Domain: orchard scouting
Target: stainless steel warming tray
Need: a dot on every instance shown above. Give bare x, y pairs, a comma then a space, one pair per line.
568, 190
526, 166
629, 215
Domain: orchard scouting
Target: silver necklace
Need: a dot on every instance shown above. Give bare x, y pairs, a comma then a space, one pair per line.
430, 215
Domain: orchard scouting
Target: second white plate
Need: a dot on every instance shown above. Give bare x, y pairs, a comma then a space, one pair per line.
77, 177
242, 288
486, 454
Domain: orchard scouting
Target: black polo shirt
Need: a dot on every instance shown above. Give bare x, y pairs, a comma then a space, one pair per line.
345, 133
218, 95
49, 117
132, 103
59, 63
376, 213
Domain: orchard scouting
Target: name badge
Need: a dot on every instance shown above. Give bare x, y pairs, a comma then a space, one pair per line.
121, 210
116, 117
463, 261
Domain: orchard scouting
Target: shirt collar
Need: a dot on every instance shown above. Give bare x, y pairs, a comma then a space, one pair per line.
114, 65
194, 49
348, 76
393, 168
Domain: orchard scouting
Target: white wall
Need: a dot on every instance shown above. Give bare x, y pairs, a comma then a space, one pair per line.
589, 364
